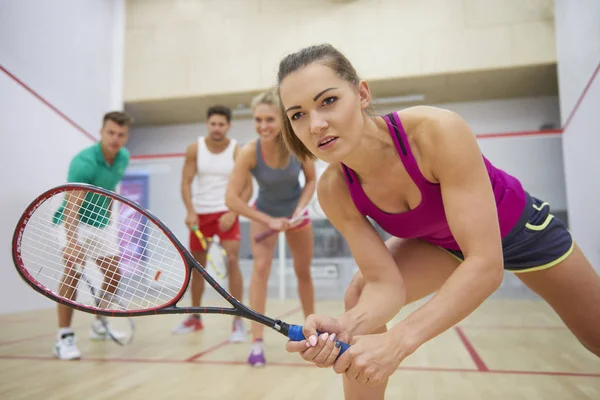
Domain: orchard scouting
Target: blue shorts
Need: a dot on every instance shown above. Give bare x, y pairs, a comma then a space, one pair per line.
538, 240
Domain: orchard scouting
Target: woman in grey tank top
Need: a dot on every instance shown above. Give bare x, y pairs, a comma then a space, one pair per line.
280, 198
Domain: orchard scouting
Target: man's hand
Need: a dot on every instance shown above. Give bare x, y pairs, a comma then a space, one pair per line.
191, 220
227, 220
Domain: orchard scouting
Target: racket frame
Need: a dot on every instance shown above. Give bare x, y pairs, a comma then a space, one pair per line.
170, 307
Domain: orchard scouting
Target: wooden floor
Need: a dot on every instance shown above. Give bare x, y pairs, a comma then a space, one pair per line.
508, 349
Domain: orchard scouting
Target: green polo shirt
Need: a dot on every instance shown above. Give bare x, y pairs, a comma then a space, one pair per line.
89, 166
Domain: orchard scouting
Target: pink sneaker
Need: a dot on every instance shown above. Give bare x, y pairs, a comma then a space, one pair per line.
257, 354
190, 324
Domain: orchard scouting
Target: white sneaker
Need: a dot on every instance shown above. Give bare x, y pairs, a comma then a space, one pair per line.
98, 332
238, 335
65, 348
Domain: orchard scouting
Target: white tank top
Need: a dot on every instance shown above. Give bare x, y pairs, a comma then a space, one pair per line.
210, 182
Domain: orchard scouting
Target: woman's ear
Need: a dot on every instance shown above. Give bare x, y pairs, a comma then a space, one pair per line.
364, 95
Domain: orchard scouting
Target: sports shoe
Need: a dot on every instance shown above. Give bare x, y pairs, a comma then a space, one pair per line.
98, 331
190, 324
257, 354
238, 333
65, 348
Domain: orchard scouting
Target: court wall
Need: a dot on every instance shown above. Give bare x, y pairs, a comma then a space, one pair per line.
60, 71
578, 50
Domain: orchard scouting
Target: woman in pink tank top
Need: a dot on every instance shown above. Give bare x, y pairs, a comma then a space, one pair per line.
457, 222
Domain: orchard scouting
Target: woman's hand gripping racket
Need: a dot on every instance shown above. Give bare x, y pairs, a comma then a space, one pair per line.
216, 256
158, 273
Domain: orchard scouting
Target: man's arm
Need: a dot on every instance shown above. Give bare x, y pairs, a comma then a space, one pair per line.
188, 173
81, 170
71, 215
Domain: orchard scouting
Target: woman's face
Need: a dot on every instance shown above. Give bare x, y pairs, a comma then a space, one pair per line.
267, 122
325, 111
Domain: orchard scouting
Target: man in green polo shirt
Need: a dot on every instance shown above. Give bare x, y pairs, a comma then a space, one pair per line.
86, 227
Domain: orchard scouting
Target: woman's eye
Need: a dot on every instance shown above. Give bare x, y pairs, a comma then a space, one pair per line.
329, 100
296, 116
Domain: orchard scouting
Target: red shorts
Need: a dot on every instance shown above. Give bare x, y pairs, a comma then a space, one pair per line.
209, 226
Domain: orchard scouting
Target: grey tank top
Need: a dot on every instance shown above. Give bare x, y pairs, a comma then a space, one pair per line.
279, 189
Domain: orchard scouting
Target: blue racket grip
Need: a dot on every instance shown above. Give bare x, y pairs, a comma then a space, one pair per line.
295, 334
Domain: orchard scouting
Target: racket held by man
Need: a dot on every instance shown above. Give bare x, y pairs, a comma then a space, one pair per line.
157, 279
216, 256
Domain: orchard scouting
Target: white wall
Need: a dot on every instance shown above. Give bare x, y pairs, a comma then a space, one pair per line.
578, 49
173, 46
536, 160
63, 50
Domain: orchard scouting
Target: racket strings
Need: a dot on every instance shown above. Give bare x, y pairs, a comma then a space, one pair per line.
149, 271
216, 257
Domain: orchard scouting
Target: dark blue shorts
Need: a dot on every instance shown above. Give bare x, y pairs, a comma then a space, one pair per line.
538, 240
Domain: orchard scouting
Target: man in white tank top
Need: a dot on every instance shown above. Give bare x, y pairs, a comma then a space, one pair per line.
208, 164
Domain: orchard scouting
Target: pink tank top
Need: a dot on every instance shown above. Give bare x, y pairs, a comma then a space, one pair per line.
428, 220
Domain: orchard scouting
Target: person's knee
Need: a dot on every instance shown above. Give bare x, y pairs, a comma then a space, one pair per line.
261, 268
303, 273
354, 291
233, 260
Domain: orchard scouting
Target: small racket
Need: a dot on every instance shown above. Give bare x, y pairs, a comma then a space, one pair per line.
216, 256
120, 337
268, 233
156, 281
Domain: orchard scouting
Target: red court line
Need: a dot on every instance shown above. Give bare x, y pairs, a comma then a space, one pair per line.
516, 134
209, 350
581, 97
471, 349
294, 365
226, 342
478, 136
47, 103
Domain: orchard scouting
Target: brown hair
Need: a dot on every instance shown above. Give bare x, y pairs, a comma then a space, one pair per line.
271, 98
118, 117
219, 110
326, 55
